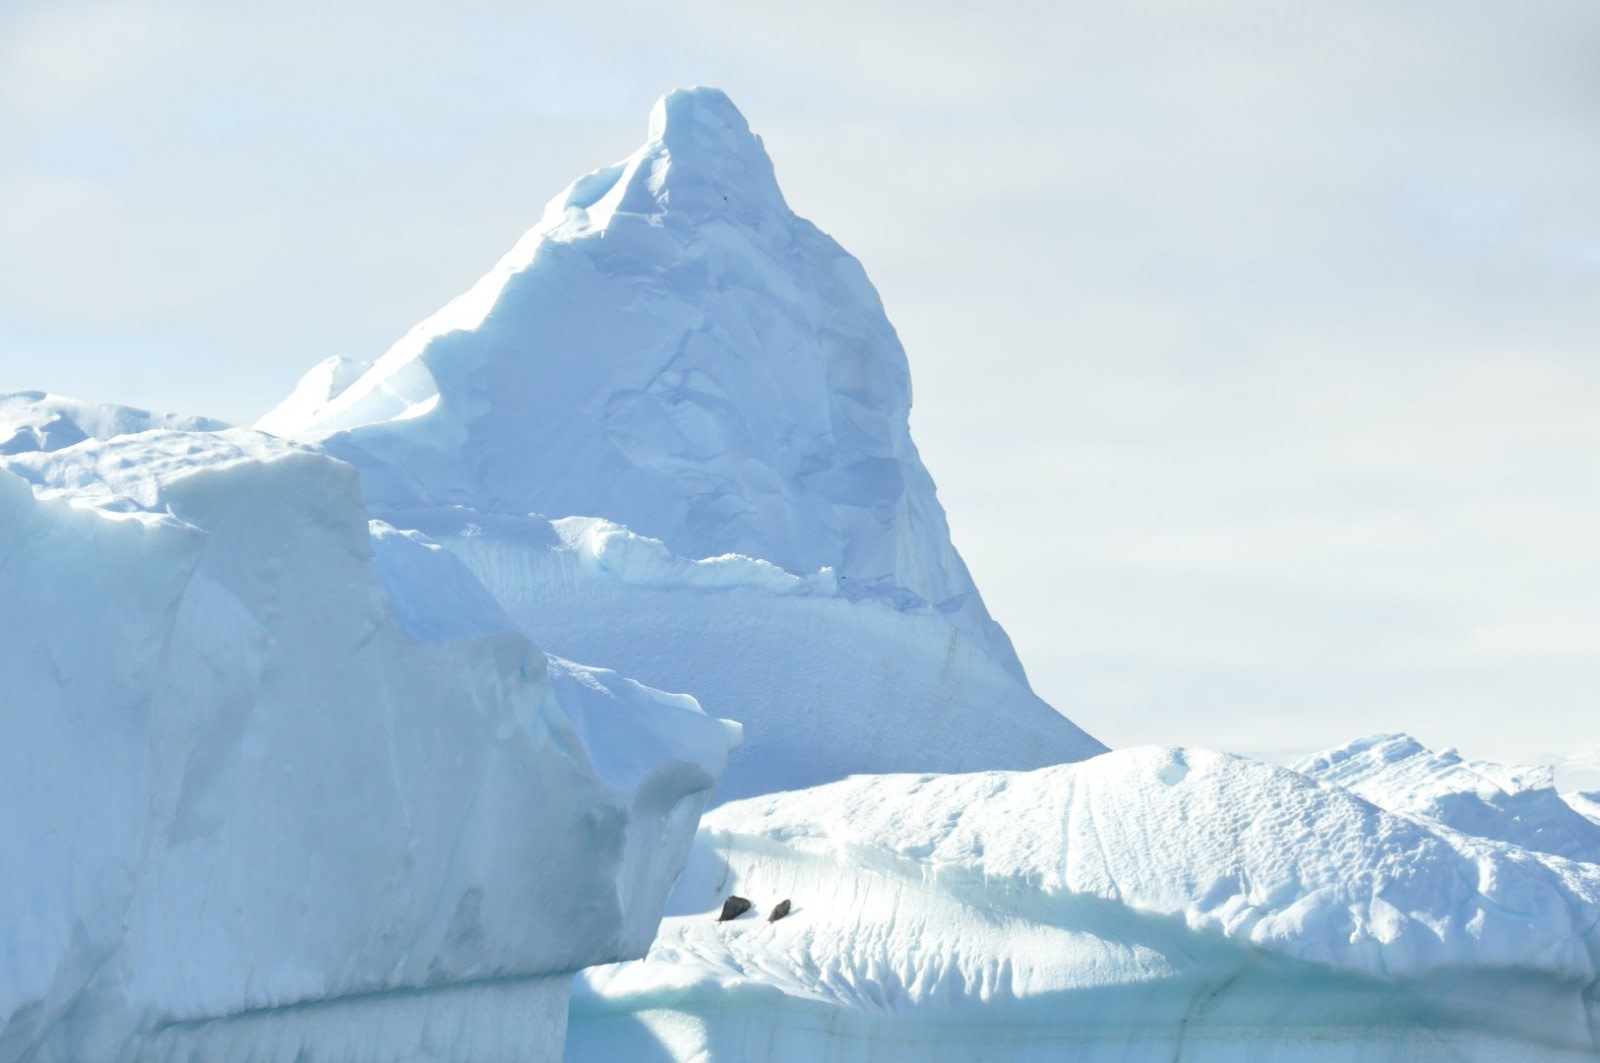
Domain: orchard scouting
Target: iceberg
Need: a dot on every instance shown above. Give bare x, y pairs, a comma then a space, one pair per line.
278, 783
669, 431
298, 763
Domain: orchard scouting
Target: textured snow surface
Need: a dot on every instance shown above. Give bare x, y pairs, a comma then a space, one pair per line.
35, 421
265, 766
1510, 804
1129, 906
669, 432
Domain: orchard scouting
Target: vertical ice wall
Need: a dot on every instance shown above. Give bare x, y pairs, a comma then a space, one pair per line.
271, 784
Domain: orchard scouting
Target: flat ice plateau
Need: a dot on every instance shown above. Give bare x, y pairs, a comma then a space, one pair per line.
295, 762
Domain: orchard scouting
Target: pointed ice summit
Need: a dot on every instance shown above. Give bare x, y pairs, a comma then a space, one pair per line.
672, 351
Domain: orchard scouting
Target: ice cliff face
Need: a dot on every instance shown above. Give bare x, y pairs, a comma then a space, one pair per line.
275, 783
670, 369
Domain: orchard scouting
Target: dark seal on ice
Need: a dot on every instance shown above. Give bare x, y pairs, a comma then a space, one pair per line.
732, 908
779, 912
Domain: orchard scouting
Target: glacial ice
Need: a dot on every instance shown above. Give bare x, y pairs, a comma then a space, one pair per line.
669, 432
276, 784
827, 683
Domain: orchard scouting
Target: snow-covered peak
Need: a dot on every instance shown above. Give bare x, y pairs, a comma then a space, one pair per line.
701, 117
1506, 803
714, 163
673, 350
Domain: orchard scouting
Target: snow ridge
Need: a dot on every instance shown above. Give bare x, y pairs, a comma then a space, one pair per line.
1495, 801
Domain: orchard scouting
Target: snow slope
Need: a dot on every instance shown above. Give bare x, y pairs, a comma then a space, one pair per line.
278, 785
1509, 804
672, 351
1145, 904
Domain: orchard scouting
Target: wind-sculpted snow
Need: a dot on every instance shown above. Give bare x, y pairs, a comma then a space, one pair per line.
275, 785
1509, 804
702, 394
1131, 906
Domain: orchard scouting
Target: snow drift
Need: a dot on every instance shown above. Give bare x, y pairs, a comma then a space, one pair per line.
676, 355
274, 783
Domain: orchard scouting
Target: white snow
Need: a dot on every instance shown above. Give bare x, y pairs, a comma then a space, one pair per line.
263, 769
34, 420
1140, 904
1496, 801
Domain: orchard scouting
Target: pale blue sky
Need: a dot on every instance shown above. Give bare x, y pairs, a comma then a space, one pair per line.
1255, 344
